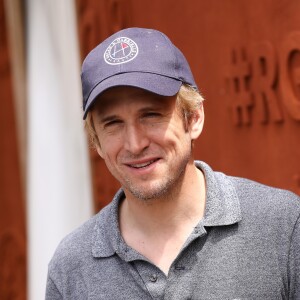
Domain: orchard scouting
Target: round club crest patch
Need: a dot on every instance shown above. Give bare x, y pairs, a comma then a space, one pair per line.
120, 51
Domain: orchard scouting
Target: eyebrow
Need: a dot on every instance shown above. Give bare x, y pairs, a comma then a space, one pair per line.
150, 107
108, 119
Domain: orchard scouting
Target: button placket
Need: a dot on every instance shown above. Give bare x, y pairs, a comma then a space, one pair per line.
155, 281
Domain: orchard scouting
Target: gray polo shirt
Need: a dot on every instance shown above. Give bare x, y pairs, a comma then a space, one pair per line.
247, 246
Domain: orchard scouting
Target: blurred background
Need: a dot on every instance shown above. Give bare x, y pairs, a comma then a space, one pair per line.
245, 57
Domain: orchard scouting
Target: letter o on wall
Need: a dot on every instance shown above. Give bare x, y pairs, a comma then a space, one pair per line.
290, 74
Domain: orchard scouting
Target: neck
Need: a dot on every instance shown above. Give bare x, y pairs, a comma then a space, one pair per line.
185, 204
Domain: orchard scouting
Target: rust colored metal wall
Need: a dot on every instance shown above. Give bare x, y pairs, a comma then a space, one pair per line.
245, 56
12, 217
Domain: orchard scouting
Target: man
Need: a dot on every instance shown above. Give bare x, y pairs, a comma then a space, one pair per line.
176, 229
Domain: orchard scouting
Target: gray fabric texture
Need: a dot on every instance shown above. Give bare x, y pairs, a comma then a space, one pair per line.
247, 246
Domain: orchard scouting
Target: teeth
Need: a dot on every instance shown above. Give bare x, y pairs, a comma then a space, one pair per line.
143, 164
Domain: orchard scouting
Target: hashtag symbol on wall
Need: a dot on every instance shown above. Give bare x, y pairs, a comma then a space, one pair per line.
238, 82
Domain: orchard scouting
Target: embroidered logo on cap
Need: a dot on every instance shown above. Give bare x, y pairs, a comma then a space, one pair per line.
120, 51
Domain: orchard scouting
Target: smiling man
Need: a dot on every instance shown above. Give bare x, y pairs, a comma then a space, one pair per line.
176, 229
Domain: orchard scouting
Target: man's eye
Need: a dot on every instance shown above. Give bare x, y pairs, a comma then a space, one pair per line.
112, 123
152, 114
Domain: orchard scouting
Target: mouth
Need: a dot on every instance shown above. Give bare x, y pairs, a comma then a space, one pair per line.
143, 165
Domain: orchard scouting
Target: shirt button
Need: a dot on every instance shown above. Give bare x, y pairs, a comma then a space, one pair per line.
153, 277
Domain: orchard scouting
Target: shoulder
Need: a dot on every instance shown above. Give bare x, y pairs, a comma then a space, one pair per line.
74, 257
258, 203
261, 200
253, 190
75, 249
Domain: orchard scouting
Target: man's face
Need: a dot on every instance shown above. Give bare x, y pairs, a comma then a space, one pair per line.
143, 140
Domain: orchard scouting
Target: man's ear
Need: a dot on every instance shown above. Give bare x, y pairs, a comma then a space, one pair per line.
99, 149
196, 123
95, 138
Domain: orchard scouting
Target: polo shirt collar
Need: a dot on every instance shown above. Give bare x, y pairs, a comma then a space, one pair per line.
222, 208
222, 203
107, 236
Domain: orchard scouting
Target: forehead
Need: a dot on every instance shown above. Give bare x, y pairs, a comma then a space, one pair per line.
124, 96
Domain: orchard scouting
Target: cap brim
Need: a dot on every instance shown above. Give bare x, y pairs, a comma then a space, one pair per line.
157, 84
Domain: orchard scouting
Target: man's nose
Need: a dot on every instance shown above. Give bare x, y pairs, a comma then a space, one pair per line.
136, 139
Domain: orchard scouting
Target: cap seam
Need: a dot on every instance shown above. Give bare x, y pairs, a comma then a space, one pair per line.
171, 47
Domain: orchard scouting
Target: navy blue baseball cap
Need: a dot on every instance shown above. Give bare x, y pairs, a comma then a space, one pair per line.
137, 57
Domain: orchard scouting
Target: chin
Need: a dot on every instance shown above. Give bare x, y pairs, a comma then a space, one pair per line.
151, 192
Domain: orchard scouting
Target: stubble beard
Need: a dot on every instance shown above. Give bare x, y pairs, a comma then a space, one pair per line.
165, 188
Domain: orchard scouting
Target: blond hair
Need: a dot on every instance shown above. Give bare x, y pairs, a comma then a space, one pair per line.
188, 101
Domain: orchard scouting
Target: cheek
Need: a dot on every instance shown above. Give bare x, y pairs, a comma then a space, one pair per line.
110, 147
177, 130
174, 139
